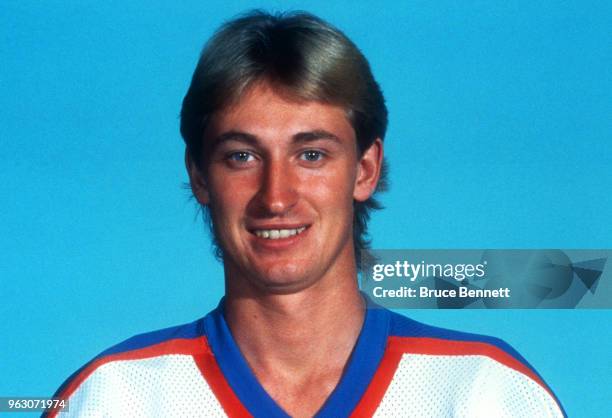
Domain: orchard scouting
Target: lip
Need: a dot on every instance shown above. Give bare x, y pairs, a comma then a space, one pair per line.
253, 227
280, 243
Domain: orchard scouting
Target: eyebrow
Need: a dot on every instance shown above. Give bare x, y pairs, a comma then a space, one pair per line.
234, 136
315, 135
239, 136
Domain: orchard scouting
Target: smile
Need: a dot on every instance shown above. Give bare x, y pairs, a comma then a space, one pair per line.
278, 233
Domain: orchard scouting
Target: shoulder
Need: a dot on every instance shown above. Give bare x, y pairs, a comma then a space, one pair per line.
468, 370
139, 362
417, 337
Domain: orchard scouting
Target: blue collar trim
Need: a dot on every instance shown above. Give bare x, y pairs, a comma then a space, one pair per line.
358, 374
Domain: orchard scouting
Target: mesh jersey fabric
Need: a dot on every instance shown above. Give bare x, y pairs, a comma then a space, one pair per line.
398, 368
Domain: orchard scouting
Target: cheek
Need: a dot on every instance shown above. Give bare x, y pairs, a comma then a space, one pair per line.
333, 189
229, 197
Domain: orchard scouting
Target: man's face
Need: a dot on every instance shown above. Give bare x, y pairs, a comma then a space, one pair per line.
280, 183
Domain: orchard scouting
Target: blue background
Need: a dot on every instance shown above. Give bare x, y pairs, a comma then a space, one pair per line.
499, 137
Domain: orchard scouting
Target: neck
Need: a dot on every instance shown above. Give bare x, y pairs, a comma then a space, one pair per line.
297, 340
294, 331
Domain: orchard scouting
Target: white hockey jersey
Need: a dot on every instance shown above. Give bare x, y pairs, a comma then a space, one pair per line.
399, 368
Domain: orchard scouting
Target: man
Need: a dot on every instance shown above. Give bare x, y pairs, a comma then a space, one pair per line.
284, 124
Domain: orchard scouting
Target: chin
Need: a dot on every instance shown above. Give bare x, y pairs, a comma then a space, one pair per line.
283, 280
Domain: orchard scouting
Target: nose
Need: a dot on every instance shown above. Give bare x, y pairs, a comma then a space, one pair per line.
277, 192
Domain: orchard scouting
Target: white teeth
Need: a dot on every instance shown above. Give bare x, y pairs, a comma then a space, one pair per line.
278, 233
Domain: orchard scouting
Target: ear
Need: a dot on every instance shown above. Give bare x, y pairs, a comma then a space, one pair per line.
368, 171
196, 180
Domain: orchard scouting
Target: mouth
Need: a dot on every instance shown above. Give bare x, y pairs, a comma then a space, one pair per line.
280, 233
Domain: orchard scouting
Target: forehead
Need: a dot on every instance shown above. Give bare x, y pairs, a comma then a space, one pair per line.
268, 112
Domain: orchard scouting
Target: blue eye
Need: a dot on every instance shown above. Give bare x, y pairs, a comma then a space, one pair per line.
312, 155
240, 156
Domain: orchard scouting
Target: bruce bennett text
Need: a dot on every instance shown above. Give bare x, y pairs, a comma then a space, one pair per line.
425, 292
